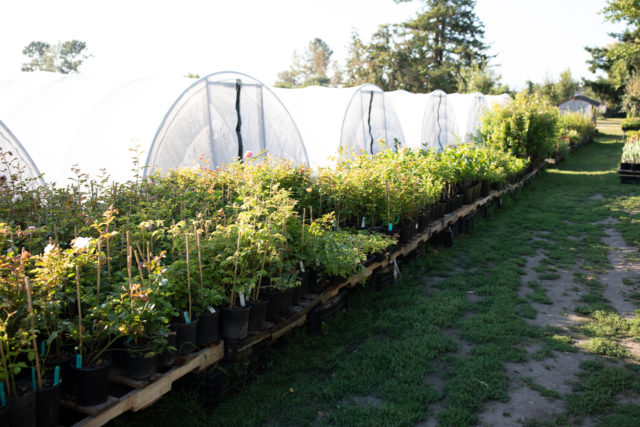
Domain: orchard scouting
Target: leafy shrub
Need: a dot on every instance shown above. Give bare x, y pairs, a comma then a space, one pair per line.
576, 127
630, 124
529, 127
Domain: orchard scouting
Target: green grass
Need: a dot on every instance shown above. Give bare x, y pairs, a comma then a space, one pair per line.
395, 355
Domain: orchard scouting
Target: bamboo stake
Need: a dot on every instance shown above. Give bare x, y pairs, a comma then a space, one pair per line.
55, 233
99, 267
195, 229
139, 268
108, 253
304, 211
79, 312
186, 236
148, 260
33, 340
235, 270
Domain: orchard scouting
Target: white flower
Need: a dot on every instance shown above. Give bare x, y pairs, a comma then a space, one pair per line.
49, 248
81, 243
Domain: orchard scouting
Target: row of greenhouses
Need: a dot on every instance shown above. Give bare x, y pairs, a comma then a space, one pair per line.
51, 122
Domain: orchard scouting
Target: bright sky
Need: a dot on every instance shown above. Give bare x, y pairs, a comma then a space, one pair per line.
532, 39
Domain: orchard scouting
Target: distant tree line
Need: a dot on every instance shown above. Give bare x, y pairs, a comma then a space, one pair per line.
62, 57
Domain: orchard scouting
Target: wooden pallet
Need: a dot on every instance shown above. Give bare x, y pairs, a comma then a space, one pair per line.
144, 393
628, 176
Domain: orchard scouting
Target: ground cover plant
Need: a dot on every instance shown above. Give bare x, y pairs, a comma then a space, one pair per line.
448, 340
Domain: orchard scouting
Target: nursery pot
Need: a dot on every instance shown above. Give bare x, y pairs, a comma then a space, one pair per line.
235, 322
5, 414
66, 356
297, 295
168, 356
635, 166
138, 366
186, 335
47, 405
406, 231
287, 301
275, 300
476, 191
625, 166
485, 186
468, 195
22, 408
92, 383
257, 315
207, 332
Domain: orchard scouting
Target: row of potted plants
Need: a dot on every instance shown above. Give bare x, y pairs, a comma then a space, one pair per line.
94, 275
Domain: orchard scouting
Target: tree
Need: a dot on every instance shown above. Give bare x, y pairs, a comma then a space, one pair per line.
424, 53
620, 60
63, 57
308, 69
479, 77
556, 91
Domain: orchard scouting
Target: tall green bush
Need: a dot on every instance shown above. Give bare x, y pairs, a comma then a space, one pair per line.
529, 127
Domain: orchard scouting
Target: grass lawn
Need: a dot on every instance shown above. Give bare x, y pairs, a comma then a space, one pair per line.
440, 344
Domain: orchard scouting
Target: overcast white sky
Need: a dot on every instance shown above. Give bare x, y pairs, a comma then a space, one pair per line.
533, 39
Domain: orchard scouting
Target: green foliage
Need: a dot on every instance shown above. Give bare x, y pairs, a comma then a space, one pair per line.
630, 124
63, 57
309, 69
422, 54
576, 127
631, 151
528, 127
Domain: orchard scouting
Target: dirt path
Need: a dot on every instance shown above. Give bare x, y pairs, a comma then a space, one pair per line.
537, 387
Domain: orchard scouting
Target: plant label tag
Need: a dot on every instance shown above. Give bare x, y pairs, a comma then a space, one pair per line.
362, 225
56, 375
302, 266
396, 270
186, 317
390, 227
3, 398
416, 225
33, 379
211, 309
78, 361
242, 302
42, 348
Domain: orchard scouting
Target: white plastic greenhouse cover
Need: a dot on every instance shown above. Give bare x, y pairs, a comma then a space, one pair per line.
353, 118
17, 160
467, 108
439, 124
219, 118
502, 100
93, 122
410, 108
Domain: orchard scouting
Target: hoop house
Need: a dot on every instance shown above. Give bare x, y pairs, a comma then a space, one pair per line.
356, 119
92, 122
218, 119
501, 100
468, 109
439, 125
17, 160
410, 108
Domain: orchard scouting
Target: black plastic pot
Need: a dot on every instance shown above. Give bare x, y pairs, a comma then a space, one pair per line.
625, 166
92, 383
297, 295
304, 283
140, 367
64, 359
287, 301
207, 332
468, 195
235, 322
275, 299
168, 356
5, 416
186, 334
257, 315
485, 187
476, 191
48, 405
405, 232
22, 409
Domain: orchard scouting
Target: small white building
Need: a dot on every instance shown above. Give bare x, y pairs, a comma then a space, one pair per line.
581, 104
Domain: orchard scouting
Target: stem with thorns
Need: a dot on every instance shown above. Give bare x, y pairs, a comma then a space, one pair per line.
33, 329
79, 311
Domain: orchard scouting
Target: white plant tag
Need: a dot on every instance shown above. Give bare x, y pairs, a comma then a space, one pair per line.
396, 270
211, 309
302, 266
242, 302
416, 225
362, 225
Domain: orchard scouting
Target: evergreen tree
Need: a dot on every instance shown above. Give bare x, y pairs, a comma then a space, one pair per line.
425, 53
310, 68
63, 57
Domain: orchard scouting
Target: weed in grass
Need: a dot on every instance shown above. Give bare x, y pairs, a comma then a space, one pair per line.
606, 346
542, 354
539, 294
544, 392
549, 276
